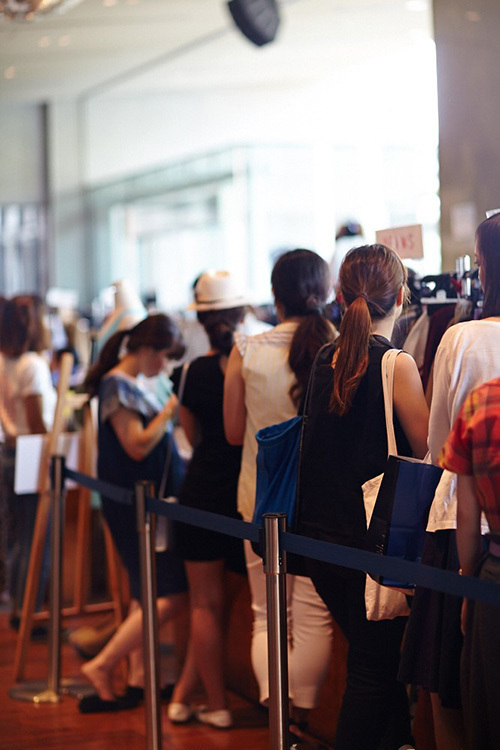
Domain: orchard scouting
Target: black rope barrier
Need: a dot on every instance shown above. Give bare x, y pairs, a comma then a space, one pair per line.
348, 557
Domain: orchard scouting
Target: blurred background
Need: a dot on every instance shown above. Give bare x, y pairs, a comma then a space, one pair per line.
152, 139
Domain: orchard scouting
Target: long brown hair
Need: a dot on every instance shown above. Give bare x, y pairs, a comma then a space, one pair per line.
301, 284
488, 244
156, 331
370, 278
23, 327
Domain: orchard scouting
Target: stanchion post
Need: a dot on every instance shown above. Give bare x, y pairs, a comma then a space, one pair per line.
275, 571
50, 691
39, 692
57, 488
146, 529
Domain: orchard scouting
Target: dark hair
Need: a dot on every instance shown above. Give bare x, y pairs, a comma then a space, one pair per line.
220, 326
22, 326
488, 244
157, 331
301, 284
370, 278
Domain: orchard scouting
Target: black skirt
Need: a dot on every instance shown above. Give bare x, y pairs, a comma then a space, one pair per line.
433, 642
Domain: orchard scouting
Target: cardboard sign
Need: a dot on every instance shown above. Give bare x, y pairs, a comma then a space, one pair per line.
405, 241
29, 454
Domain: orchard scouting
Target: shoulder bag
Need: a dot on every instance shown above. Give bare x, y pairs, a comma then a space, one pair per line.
397, 504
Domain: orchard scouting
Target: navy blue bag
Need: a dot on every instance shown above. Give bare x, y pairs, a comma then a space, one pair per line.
399, 518
278, 458
277, 468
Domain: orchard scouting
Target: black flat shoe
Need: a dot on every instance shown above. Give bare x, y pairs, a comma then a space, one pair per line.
137, 693
92, 704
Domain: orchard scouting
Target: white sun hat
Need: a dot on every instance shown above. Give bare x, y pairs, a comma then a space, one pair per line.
217, 290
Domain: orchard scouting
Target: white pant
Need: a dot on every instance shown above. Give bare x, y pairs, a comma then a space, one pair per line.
309, 634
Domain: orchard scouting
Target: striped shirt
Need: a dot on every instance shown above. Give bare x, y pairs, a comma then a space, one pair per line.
473, 447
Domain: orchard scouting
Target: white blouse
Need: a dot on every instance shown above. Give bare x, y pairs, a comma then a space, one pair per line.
468, 355
268, 379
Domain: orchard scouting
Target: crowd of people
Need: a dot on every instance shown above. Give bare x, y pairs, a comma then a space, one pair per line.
245, 382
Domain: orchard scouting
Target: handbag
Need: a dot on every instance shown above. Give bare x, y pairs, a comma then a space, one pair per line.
278, 451
173, 475
397, 504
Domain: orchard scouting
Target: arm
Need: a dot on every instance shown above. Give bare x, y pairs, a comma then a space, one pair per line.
410, 405
34, 414
440, 417
235, 413
189, 424
137, 441
468, 525
468, 531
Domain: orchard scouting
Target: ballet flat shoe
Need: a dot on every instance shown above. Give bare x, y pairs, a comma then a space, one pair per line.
179, 713
92, 704
219, 719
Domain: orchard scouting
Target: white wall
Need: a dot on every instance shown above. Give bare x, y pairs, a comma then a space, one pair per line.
129, 135
20, 154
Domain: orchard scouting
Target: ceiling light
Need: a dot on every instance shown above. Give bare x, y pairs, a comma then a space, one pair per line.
9, 72
64, 40
25, 10
109, 3
473, 16
44, 41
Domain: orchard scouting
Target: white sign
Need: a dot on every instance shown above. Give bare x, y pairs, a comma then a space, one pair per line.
29, 454
405, 241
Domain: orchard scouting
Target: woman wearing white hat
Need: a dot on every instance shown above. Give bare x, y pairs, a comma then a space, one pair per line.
211, 484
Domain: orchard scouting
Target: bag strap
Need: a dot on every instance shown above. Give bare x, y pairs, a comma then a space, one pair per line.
175, 418
387, 365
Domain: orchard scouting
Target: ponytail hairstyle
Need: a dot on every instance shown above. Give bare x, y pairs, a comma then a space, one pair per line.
301, 284
370, 278
220, 326
488, 245
157, 331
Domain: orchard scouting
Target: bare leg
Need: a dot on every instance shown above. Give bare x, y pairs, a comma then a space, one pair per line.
189, 681
127, 641
206, 588
448, 726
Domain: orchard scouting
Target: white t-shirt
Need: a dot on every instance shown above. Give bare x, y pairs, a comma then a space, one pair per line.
268, 379
468, 355
23, 376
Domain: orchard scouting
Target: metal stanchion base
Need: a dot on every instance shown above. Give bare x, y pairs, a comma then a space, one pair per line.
34, 692
38, 692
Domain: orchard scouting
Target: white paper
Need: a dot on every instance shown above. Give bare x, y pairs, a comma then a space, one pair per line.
29, 454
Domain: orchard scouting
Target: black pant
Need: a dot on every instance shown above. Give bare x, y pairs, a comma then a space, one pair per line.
374, 713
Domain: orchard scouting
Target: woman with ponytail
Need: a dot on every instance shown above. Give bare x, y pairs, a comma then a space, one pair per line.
133, 442
265, 380
211, 559
345, 444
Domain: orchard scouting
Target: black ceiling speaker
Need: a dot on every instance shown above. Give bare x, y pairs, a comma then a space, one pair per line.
257, 19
